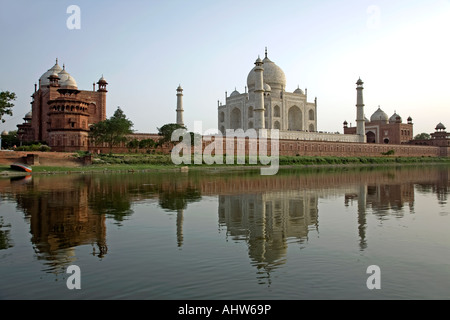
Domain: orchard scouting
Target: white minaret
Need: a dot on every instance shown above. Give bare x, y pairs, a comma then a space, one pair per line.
259, 96
180, 106
360, 122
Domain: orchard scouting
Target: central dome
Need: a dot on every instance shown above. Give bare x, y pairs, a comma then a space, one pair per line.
272, 75
379, 115
43, 80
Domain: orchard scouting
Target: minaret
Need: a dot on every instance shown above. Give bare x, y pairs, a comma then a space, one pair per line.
101, 111
259, 96
360, 122
180, 106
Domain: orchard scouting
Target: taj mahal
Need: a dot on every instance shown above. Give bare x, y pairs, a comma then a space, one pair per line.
62, 115
267, 104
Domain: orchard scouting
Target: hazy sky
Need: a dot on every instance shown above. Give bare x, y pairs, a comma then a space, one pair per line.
145, 49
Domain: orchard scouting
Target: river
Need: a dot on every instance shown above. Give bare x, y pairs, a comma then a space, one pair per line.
312, 233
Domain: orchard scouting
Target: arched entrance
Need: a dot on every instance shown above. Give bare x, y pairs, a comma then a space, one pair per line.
235, 119
370, 136
295, 119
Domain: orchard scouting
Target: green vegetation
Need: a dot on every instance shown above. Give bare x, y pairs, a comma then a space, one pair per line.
112, 131
34, 147
10, 140
155, 159
299, 160
5, 103
388, 153
166, 132
422, 136
165, 160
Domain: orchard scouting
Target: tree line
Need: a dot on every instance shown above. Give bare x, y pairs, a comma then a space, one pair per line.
116, 131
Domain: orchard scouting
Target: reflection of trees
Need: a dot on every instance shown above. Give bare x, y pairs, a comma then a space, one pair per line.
179, 199
5, 240
109, 195
112, 204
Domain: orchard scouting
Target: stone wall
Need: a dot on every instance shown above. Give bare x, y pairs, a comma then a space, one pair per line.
327, 148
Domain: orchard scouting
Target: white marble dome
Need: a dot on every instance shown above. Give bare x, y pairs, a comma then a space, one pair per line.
69, 82
29, 115
43, 80
63, 76
273, 75
234, 93
379, 115
298, 91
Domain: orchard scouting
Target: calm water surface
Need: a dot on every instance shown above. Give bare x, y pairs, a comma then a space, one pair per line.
302, 234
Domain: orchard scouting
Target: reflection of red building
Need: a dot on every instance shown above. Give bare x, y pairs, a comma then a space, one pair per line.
61, 114
382, 129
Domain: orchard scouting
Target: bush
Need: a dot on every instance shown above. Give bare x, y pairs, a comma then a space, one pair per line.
388, 153
34, 147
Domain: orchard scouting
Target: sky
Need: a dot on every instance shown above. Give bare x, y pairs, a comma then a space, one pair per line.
145, 49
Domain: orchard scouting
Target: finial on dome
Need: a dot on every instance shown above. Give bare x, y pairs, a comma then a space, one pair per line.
266, 52
64, 66
56, 60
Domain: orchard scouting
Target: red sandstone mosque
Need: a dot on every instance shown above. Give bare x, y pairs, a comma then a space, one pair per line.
60, 113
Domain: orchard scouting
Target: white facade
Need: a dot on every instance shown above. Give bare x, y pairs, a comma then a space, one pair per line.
286, 111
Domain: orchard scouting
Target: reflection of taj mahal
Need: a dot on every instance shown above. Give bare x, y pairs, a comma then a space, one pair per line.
267, 220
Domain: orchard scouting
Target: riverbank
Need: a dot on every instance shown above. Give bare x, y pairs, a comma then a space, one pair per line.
147, 163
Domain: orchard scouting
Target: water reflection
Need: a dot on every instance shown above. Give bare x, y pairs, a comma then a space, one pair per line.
268, 213
266, 221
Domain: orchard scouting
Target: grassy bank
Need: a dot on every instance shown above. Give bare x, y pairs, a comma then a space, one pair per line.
165, 160
147, 162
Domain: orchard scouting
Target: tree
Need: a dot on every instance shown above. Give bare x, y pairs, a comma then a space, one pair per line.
5, 104
422, 136
166, 132
10, 140
112, 131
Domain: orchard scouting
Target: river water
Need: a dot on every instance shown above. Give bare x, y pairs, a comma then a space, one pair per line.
302, 234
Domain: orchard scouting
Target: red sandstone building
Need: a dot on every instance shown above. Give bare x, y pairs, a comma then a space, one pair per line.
383, 129
61, 114
440, 138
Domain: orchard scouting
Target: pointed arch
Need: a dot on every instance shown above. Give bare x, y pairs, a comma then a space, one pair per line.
236, 119
295, 119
